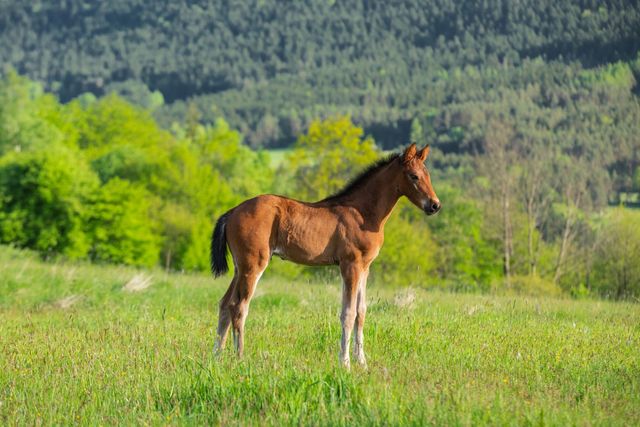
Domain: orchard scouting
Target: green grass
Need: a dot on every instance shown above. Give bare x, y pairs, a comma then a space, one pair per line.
115, 357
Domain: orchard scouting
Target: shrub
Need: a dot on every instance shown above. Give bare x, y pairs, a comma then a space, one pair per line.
528, 285
120, 225
42, 196
408, 254
616, 266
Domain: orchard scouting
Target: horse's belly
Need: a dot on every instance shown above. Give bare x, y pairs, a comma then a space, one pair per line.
309, 242
305, 258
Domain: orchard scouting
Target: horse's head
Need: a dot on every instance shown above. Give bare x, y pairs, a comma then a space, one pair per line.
416, 182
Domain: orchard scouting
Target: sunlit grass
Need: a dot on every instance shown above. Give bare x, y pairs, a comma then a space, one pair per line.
109, 356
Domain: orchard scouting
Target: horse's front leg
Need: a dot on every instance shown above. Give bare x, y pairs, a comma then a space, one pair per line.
351, 274
361, 312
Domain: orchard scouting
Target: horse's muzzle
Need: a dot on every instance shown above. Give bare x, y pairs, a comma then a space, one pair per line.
432, 207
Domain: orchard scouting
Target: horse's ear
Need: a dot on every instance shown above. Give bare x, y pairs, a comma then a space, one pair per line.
409, 153
422, 154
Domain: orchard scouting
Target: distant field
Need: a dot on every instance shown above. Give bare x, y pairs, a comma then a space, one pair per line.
78, 349
277, 156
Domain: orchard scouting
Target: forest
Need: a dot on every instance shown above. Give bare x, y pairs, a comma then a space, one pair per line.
271, 67
168, 112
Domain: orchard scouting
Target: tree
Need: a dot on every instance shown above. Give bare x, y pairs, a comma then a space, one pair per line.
616, 270
29, 117
498, 165
573, 190
137, 93
467, 257
416, 134
43, 200
536, 192
121, 224
408, 256
330, 153
247, 172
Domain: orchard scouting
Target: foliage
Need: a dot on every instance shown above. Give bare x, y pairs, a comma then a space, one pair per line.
518, 180
157, 193
616, 270
466, 255
529, 285
408, 255
247, 171
121, 226
326, 156
271, 69
137, 93
31, 118
43, 200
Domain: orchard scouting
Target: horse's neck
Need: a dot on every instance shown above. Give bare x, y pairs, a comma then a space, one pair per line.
376, 199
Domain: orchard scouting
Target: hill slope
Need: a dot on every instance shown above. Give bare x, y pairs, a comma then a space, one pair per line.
271, 66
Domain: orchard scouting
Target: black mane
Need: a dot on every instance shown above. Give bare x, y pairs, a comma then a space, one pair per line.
362, 177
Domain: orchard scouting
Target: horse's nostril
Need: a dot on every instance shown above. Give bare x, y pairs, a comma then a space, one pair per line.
435, 206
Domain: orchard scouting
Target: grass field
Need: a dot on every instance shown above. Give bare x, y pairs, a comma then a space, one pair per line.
77, 348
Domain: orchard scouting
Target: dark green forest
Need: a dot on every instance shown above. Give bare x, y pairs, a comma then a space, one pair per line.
167, 111
271, 67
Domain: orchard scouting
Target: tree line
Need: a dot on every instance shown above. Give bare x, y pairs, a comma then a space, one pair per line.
526, 209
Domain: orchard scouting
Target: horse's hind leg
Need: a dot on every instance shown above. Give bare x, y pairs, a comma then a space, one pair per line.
249, 272
224, 317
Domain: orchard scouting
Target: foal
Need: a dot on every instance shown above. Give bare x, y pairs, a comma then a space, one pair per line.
346, 229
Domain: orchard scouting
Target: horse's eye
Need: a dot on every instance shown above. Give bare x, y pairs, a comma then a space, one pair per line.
413, 177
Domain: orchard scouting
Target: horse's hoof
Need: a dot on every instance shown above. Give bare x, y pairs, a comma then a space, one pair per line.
346, 364
217, 350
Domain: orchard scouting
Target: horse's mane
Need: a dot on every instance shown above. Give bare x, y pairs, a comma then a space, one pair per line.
362, 177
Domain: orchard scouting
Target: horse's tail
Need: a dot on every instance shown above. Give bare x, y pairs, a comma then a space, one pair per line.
219, 264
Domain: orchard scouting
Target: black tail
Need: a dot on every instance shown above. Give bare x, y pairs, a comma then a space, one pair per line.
219, 264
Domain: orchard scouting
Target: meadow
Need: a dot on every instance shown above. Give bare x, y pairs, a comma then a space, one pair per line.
78, 348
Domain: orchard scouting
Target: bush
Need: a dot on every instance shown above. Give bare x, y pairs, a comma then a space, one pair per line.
466, 256
528, 285
408, 254
120, 224
616, 261
42, 200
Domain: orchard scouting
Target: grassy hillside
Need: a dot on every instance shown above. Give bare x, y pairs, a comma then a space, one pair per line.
77, 348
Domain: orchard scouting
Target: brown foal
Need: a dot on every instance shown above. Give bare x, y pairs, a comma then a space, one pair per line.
346, 229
